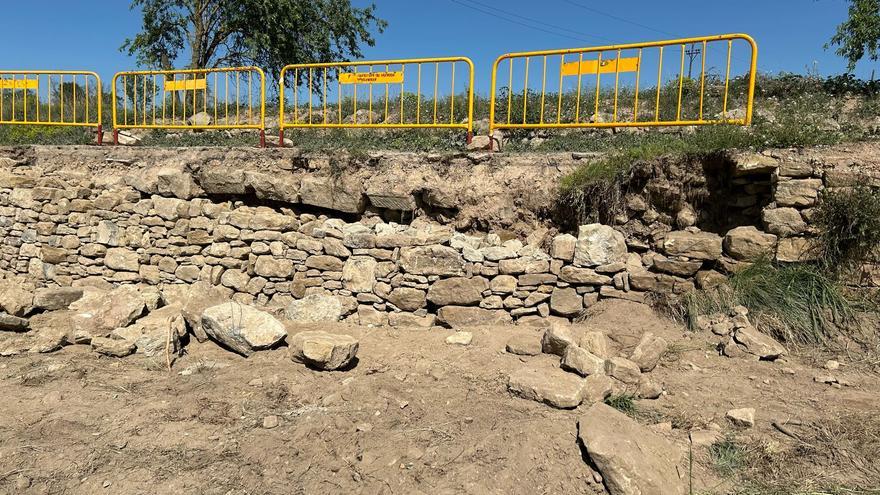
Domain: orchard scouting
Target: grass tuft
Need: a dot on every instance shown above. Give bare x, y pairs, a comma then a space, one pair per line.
727, 456
797, 303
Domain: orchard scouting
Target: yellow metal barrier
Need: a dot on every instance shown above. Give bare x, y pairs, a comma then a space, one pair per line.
56, 98
224, 98
411, 94
603, 86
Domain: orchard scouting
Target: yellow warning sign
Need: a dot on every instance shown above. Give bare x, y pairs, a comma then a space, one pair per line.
19, 84
371, 77
186, 85
610, 66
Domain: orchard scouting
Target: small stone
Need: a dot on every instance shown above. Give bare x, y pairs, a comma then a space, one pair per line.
831, 365
460, 338
524, 345
742, 417
112, 347
322, 350
270, 422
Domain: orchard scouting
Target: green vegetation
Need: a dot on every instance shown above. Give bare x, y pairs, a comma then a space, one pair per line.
859, 35
247, 32
850, 224
624, 403
727, 456
797, 303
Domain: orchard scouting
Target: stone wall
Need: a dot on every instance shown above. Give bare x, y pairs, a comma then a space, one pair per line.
173, 227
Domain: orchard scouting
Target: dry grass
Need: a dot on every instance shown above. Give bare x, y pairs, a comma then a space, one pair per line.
838, 455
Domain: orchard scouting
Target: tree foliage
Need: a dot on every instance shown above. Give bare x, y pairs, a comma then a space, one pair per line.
859, 35
267, 33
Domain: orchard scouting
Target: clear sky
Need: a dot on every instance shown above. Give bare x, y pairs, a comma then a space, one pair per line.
86, 34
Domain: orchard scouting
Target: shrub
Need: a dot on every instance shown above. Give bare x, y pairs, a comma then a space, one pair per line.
850, 223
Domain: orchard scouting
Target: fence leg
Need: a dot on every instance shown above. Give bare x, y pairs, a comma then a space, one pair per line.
115, 137
262, 138
491, 143
281, 138
100, 135
470, 137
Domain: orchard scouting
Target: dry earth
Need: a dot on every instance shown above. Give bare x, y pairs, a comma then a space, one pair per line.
414, 415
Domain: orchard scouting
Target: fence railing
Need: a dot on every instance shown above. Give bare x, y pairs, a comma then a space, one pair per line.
55, 98
222, 98
405, 93
682, 82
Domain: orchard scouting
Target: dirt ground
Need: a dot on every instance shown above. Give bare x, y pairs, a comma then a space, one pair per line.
415, 415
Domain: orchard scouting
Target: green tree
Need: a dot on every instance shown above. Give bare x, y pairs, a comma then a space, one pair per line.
266, 33
860, 33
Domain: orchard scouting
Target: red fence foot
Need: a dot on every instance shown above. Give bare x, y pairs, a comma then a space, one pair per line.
100, 135
262, 138
470, 137
115, 137
281, 138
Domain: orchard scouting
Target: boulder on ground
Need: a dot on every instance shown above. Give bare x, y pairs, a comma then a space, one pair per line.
12, 323
55, 298
112, 347
758, 344
648, 351
99, 312
194, 300
553, 387
15, 299
322, 350
150, 334
631, 458
624, 370
524, 345
241, 328
557, 338
314, 308
582, 362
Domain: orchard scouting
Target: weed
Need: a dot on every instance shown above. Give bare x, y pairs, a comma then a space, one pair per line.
624, 403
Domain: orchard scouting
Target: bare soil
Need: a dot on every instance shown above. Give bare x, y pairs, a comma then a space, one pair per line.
415, 415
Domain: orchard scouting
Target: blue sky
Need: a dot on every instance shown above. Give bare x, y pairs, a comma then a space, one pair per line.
86, 34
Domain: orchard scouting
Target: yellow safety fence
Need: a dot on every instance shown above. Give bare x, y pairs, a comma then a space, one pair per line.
384, 94
691, 81
222, 98
56, 98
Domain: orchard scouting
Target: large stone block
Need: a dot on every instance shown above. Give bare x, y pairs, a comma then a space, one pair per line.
466, 316
339, 194
359, 274
695, 245
432, 260
749, 243
599, 245
459, 291
798, 192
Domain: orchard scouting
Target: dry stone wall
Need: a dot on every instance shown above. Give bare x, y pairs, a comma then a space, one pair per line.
345, 259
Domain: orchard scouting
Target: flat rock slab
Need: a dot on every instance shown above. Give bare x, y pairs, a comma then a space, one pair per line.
632, 459
322, 350
524, 345
552, 386
241, 328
